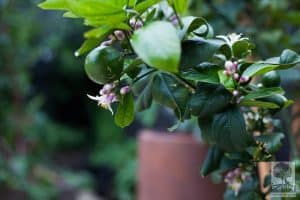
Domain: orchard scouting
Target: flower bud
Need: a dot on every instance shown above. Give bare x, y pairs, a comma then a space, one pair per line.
107, 43
103, 91
109, 86
119, 35
124, 90
227, 73
260, 85
235, 93
228, 65
244, 79
236, 76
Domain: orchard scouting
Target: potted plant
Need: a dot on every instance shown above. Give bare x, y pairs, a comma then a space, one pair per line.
146, 49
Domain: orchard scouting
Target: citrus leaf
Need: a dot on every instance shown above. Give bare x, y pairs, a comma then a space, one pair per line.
158, 45
287, 60
264, 92
125, 112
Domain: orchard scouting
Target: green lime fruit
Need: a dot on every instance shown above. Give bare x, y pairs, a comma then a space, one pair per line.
271, 79
104, 65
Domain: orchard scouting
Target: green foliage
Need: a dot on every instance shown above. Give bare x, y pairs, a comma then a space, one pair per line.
230, 125
169, 91
179, 5
125, 111
178, 62
212, 160
287, 60
162, 37
208, 100
264, 92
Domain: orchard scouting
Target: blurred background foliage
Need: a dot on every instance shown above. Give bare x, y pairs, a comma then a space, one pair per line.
55, 144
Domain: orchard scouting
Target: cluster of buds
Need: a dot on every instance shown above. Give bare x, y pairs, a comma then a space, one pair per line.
255, 121
107, 95
231, 69
235, 179
232, 38
119, 35
174, 20
135, 23
116, 36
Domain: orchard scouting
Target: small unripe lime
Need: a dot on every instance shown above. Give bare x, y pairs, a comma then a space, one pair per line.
104, 65
271, 79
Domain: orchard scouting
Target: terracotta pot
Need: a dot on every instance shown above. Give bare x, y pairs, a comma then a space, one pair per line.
169, 168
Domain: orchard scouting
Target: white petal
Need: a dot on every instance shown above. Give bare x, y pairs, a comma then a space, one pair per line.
95, 98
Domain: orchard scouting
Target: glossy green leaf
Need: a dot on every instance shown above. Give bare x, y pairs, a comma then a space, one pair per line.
208, 100
256, 103
227, 81
205, 72
229, 124
191, 24
158, 45
125, 112
242, 48
194, 52
143, 90
264, 92
170, 92
144, 5
87, 46
212, 160
179, 5
55, 4
287, 59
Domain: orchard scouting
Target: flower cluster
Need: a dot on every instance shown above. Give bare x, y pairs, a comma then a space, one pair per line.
258, 122
231, 69
119, 35
108, 95
232, 38
235, 179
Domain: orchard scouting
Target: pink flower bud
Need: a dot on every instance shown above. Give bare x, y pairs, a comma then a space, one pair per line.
107, 43
112, 97
109, 86
235, 93
227, 73
235, 65
138, 25
124, 90
174, 20
119, 35
236, 76
228, 65
103, 91
244, 79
